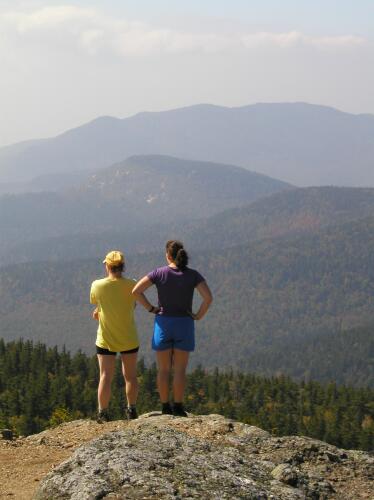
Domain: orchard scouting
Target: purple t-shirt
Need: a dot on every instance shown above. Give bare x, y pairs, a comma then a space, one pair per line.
175, 289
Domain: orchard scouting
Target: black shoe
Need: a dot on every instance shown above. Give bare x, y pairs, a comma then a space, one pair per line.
167, 409
131, 413
179, 411
102, 416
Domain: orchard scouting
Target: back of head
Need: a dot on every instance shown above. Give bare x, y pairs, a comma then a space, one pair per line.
115, 260
118, 270
177, 253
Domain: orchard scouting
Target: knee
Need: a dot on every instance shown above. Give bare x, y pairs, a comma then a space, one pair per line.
179, 372
131, 379
164, 372
105, 378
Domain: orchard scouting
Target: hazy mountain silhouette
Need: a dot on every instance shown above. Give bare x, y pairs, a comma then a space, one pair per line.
300, 143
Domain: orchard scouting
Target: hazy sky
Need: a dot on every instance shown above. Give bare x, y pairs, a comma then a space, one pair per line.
62, 64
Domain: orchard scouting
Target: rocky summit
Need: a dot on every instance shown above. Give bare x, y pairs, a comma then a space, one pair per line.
207, 457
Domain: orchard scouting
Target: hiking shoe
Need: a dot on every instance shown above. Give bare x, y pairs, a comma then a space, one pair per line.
179, 411
131, 413
167, 409
102, 416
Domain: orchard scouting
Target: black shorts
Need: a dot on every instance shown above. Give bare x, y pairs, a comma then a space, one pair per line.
100, 350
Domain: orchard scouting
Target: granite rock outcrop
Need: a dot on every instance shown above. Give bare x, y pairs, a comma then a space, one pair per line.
210, 457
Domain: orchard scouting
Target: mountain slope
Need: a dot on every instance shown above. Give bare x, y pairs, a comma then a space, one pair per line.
161, 184
129, 197
300, 143
272, 298
287, 212
46, 182
292, 211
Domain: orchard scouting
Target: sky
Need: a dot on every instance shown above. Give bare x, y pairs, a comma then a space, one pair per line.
65, 63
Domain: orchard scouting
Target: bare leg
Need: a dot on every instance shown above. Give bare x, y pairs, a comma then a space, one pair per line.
106, 364
180, 366
129, 374
163, 373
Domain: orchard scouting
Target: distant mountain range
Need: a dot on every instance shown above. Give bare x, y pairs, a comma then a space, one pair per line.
130, 199
299, 143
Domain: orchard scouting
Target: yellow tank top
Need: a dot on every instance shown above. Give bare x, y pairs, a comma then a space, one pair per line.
115, 302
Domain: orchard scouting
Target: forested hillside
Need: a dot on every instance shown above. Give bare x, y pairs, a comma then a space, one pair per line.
274, 300
276, 296
128, 198
287, 212
42, 387
290, 211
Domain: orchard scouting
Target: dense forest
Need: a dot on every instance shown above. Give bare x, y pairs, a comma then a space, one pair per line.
301, 305
42, 387
287, 212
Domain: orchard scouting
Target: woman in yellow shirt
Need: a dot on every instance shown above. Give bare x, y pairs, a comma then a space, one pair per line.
116, 332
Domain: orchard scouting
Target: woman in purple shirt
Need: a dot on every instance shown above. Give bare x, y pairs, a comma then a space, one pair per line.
174, 327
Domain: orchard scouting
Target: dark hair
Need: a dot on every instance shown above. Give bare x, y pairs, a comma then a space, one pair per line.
117, 269
177, 253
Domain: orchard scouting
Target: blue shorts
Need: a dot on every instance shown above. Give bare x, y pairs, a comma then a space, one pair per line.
173, 332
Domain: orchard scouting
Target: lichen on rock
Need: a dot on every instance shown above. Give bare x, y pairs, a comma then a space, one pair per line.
206, 457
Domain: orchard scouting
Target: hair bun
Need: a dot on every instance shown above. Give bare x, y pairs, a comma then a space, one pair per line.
177, 252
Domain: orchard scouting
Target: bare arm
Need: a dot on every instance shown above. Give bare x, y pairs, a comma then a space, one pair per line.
207, 297
138, 292
95, 314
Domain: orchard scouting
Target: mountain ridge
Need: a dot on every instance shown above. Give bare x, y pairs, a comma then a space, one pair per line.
300, 143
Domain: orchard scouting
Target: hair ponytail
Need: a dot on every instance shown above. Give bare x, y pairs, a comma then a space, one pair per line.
177, 253
181, 260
